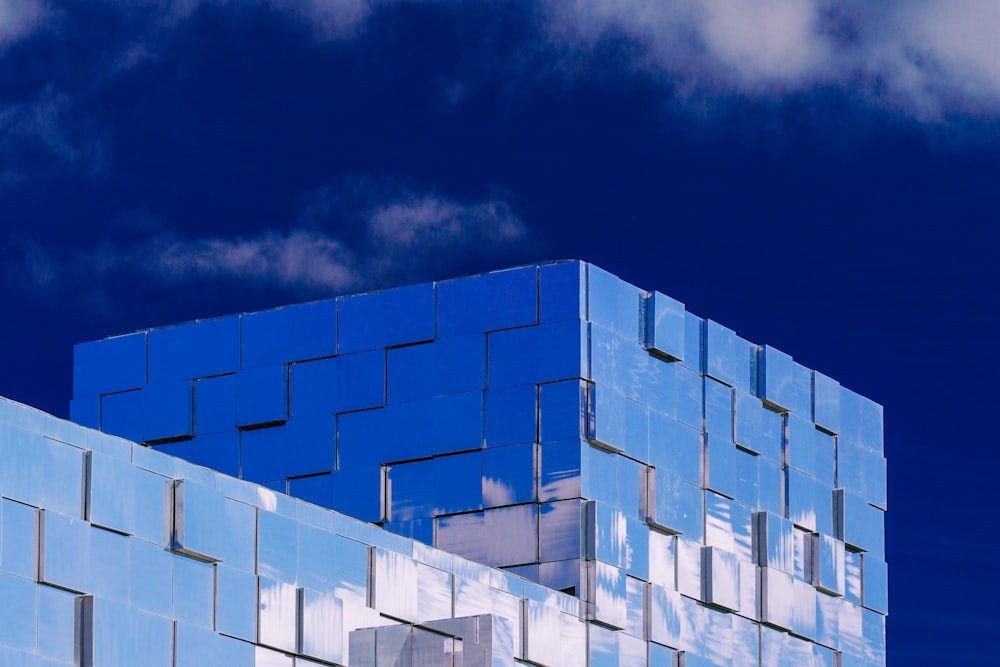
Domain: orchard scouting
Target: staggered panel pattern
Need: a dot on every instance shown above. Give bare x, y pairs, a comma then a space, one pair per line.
114, 555
695, 489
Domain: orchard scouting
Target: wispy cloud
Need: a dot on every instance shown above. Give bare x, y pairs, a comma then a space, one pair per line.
301, 259
924, 58
393, 240
47, 123
20, 18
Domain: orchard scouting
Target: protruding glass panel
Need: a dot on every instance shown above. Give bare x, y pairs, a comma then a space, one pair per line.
534, 355
721, 578
613, 304
338, 384
777, 598
116, 634
396, 585
291, 333
635, 607
108, 563
873, 629
852, 577
215, 404
689, 398
728, 526
471, 597
718, 409
850, 419
18, 612
65, 552
800, 446
512, 412
236, 603
560, 530
543, 627
109, 365
413, 498
826, 402
463, 534
860, 524
488, 302
826, 458
562, 467
874, 478
775, 542
874, 584
599, 471
622, 364
602, 647
807, 502
679, 506
408, 431
41, 472
771, 487
199, 517
447, 366
675, 447
322, 626
828, 564
665, 326
168, 411
385, 319
562, 292
757, 428
508, 475
434, 592
871, 426
563, 411
307, 445
18, 538
262, 395
194, 350
194, 591
662, 559
511, 535
277, 622
277, 547
784, 383
689, 568
150, 577
828, 619
729, 358
608, 594
56, 623
632, 491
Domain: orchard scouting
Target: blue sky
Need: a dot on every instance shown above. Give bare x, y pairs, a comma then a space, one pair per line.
818, 176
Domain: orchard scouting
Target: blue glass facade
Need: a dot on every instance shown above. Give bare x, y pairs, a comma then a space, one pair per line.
607, 468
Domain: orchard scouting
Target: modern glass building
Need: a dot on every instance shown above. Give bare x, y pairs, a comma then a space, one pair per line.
544, 465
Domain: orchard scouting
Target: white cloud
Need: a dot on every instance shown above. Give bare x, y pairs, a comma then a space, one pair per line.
300, 259
394, 239
330, 19
20, 18
42, 122
924, 57
433, 221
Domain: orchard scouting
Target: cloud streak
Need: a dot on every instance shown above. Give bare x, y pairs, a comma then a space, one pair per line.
19, 19
395, 239
923, 58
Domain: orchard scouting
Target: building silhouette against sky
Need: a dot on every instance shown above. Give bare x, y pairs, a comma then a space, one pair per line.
566, 469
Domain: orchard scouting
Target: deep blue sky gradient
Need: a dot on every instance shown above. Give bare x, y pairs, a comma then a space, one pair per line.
859, 236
